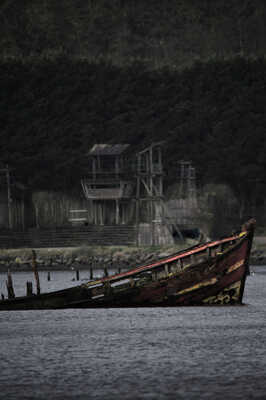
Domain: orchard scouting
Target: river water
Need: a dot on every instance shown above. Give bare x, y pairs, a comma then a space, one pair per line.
147, 353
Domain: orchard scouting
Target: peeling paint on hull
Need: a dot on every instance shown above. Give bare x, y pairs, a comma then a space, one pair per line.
208, 274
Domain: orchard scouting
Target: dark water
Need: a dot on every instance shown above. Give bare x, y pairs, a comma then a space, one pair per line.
159, 353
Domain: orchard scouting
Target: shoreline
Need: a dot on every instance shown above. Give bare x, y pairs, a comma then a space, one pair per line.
95, 257
84, 257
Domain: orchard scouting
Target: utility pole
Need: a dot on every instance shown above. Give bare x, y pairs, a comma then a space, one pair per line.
9, 199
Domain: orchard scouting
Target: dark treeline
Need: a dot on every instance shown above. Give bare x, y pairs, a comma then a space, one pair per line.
53, 111
159, 33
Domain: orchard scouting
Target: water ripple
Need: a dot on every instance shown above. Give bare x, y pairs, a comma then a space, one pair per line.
156, 353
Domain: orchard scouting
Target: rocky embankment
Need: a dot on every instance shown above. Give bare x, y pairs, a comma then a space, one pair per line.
79, 258
115, 258
258, 257
258, 252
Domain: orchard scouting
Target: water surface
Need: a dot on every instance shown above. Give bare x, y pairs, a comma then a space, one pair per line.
148, 353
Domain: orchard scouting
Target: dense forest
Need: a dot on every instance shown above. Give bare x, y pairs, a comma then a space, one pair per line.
157, 33
191, 73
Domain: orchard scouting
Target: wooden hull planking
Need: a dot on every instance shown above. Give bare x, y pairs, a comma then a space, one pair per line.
208, 274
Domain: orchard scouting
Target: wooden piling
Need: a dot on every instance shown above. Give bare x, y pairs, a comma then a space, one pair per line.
9, 286
29, 288
35, 271
77, 275
48, 276
91, 273
105, 271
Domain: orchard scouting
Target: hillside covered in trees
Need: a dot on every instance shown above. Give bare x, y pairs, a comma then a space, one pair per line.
157, 33
52, 112
187, 72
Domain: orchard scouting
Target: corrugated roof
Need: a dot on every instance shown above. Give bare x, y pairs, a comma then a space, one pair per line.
108, 149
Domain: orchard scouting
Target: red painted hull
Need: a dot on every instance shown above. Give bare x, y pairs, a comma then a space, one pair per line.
211, 273
217, 281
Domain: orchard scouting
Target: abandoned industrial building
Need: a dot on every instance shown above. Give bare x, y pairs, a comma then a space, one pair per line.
121, 202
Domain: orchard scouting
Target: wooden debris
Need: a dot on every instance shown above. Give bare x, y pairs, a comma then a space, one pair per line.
9, 286
35, 271
77, 275
29, 288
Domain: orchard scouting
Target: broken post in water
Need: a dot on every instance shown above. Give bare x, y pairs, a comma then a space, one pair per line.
35, 271
9, 286
29, 288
